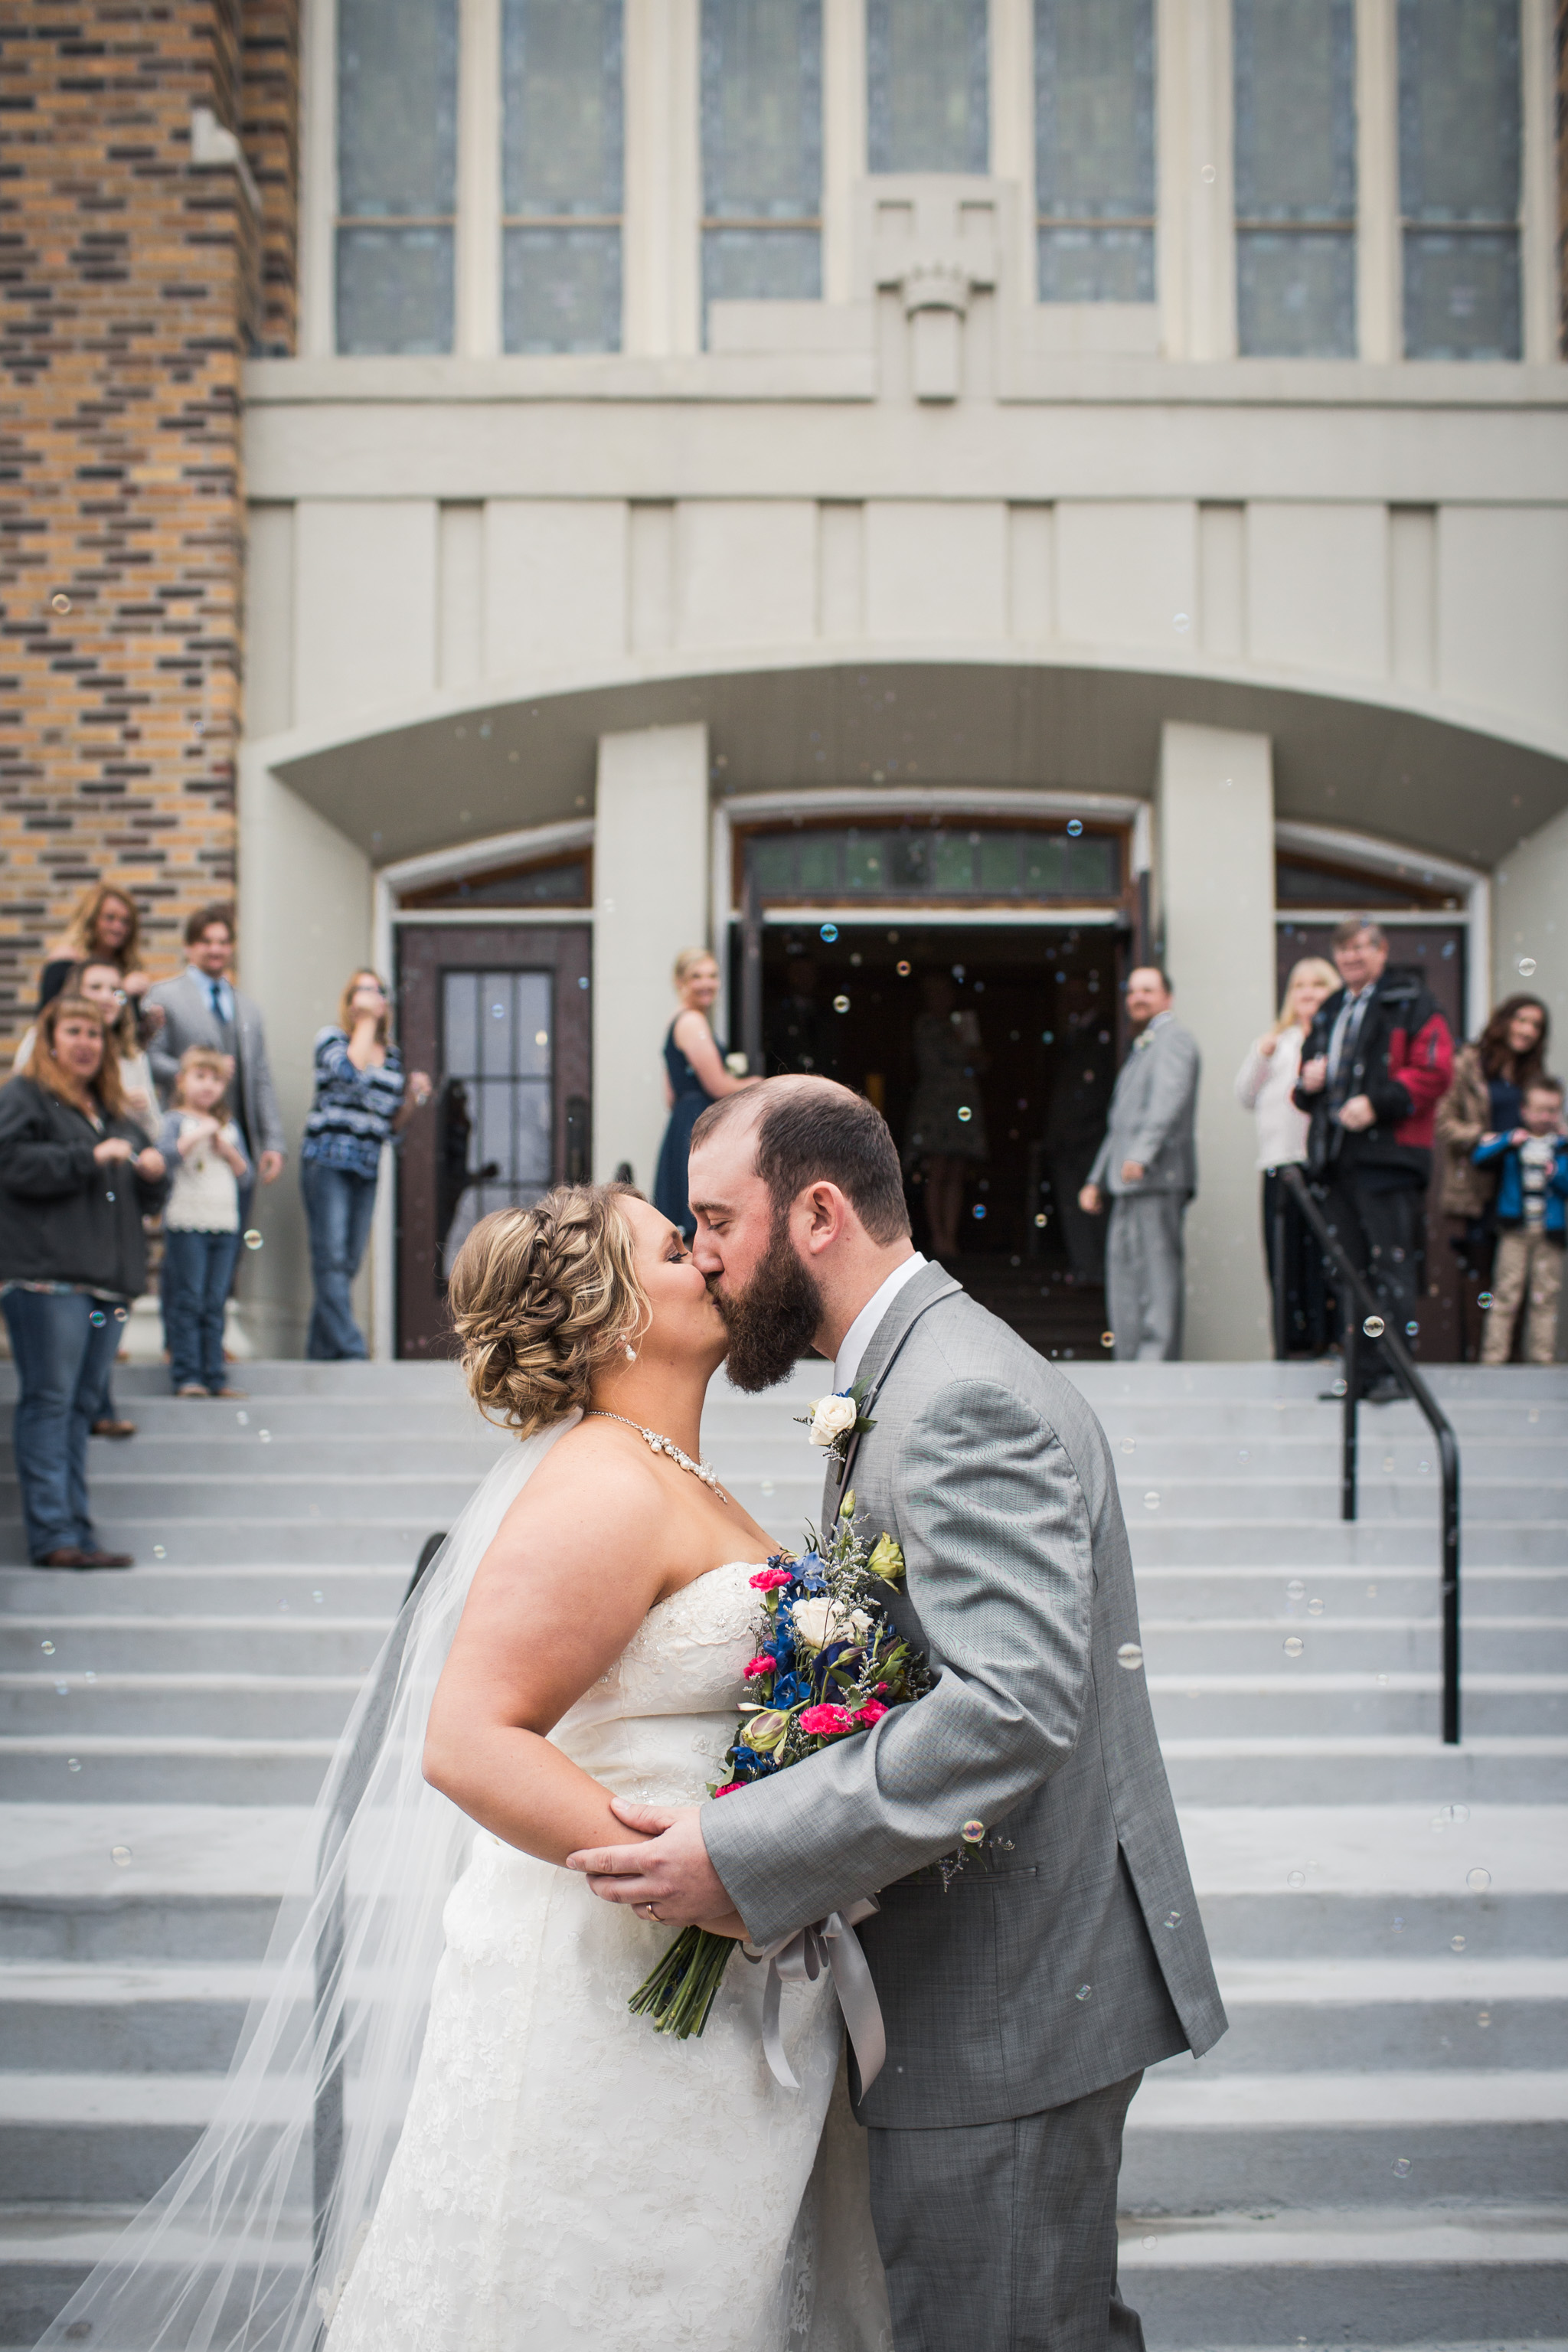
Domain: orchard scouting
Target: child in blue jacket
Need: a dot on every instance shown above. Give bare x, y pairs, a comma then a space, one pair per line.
1533, 1212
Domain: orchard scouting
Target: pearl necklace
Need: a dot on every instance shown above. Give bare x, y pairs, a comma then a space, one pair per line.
657, 1444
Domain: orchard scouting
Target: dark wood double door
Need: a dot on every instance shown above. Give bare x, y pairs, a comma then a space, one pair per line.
499, 1016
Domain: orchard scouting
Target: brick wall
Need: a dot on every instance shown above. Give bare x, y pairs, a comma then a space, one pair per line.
132, 286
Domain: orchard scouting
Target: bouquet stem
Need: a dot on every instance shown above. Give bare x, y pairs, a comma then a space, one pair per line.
678, 1994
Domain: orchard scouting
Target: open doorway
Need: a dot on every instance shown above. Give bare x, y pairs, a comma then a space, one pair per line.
1039, 1007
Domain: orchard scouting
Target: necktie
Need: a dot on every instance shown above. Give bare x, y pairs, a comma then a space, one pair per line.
215, 989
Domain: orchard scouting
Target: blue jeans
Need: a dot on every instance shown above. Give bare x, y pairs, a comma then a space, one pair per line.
197, 1270
339, 1207
62, 1356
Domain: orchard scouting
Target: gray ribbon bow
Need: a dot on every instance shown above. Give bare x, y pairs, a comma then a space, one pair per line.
800, 1958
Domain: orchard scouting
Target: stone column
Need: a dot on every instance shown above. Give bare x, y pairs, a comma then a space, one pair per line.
1215, 807
651, 900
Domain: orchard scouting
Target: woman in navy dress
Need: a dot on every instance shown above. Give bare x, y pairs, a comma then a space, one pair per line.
695, 1075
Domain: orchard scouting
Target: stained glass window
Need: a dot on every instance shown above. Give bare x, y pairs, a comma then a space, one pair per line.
397, 173
1094, 149
762, 150
1459, 133
1295, 177
983, 863
561, 175
926, 85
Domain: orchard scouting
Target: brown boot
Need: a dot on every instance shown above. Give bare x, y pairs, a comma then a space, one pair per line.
114, 1429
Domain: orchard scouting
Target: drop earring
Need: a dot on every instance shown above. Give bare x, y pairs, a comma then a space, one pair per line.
631, 1353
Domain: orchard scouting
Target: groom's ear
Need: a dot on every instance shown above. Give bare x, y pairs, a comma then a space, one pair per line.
826, 1214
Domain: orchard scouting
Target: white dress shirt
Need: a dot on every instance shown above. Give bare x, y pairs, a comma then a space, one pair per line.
858, 1339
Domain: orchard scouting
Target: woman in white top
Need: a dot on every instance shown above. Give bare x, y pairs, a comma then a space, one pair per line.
1265, 1084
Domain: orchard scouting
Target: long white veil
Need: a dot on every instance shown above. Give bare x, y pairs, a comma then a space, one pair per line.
247, 2247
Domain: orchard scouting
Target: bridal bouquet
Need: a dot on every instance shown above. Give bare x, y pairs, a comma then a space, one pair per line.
830, 1663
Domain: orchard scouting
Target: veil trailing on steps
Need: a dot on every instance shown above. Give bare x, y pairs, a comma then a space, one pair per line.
247, 2247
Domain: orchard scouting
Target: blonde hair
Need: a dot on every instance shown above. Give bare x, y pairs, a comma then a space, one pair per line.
82, 928
687, 961
198, 1058
540, 1298
1310, 968
44, 1068
346, 1004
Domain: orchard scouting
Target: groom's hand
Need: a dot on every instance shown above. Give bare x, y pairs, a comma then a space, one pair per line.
670, 1869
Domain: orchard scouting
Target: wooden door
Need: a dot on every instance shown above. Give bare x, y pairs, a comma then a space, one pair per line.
499, 1017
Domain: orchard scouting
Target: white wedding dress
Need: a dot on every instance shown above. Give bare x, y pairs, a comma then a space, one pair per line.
567, 2178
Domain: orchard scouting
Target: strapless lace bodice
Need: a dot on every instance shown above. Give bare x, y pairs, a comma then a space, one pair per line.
657, 1725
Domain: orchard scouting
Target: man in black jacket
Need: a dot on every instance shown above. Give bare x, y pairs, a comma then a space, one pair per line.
1377, 1063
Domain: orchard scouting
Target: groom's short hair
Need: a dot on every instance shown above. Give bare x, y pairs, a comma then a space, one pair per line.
812, 1131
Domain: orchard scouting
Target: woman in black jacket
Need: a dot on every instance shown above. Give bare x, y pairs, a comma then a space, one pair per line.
76, 1178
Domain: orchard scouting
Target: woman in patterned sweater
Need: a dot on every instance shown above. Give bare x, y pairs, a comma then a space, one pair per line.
362, 1100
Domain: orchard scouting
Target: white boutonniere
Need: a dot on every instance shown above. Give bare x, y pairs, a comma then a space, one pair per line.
834, 1420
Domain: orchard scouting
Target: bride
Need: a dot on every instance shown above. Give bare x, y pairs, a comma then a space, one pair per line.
498, 2156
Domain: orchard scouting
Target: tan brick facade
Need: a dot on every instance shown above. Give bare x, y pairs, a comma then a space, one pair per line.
133, 286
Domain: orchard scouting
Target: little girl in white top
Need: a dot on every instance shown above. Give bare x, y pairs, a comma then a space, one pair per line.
201, 1223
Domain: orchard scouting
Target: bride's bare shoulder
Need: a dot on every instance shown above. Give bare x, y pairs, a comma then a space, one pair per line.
590, 1494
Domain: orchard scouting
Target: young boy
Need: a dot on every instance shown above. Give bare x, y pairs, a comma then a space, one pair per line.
201, 1221
1531, 1191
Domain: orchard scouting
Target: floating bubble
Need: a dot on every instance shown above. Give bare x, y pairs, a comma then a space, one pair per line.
841, 1004
264, 1436
978, 1210
1295, 1878
48, 1648
98, 1319
62, 1690
1083, 1993
965, 1113
1383, 1679
1374, 1326
73, 1763
541, 1036
109, 1196
1295, 1590
252, 1239
1483, 2019
1527, 967
1131, 1656
1478, 1880
1372, 1593
1130, 1445
318, 1596
120, 1855
972, 1832
1181, 623
159, 1552
1294, 1645
120, 1313
1411, 1329
1173, 1919
1388, 1461
1152, 1499
498, 1012
829, 932
1400, 2167
1048, 1037
1040, 1216
903, 968
1455, 1943
1399, 1926
1207, 175
59, 601
1075, 826
1242, 1453
243, 1419
1315, 1608
1149, 2244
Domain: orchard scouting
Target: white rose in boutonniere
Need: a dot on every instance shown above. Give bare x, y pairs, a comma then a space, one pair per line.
833, 1417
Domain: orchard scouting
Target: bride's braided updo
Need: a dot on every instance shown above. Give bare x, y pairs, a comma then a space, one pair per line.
540, 1298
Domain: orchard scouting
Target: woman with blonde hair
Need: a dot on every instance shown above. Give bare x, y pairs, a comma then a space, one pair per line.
520, 2161
362, 1102
694, 1075
77, 1175
105, 927
1265, 1084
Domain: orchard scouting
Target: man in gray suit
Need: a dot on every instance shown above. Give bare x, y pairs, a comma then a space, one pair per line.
1148, 1163
1022, 2005
204, 1007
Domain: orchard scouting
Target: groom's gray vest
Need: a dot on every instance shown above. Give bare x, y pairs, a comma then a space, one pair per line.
1068, 1952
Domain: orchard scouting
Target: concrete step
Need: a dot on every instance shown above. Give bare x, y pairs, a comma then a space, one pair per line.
283, 1643
158, 1589
75, 2017
47, 2251
1384, 1643
165, 1770
123, 1495
1308, 2014
1266, 1773
378, 1540
1198, 1594
1303, 1703
277, 1706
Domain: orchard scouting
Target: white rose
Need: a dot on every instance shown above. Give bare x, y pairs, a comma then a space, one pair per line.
817, 1622
831, 1416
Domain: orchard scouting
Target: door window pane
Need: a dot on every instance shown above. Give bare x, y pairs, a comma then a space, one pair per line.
496, 1096
563, 172
927, 74
1459, 134
762, 150
1295, 177
1094, 149
397, 166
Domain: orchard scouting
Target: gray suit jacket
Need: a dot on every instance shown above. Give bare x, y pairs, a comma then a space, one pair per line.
1069, 1953
1152, 1108
188, 1021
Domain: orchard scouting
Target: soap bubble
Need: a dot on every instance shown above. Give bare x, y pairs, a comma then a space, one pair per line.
252, 1239
978, 1210
1083, 1993
1040, 1216
1130, 1445
903, 968
1107, 1338
1152, 1499
1149, 2244
1295, 1590
1181, 623
1527, 967
1294, 1645
159, 1552
1296, 1878
98, 1319
1483, 2019
120, 1855
1411, 1329
1315, 1608
1207, 175
1173, 1918
1478, 1880
829, 932
841, 1004
965, 1113
59, 601
1131, 1656
1075, 826
498, 1012
972, 1832
1401, 2166
243, 1419
1455, 1943
73, 1763
120, 1314
1485, 1300
48, 1648
1374, 1326
264, 1436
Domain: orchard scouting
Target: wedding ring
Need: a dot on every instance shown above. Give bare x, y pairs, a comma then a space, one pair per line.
650, 1913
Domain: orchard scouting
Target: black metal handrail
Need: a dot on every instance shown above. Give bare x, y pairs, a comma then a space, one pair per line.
1355, 1285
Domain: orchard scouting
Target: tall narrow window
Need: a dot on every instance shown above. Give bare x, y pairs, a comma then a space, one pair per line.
1094, 149
561, 175
1458, 177
762, 150
928, 85
397, 173
1295, 177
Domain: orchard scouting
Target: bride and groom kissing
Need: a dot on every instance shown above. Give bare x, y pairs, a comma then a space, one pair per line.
532, 2168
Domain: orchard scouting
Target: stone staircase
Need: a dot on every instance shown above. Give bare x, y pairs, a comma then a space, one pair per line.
1375, 2153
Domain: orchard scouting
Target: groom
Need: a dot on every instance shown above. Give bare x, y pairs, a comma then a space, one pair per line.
1023, 2005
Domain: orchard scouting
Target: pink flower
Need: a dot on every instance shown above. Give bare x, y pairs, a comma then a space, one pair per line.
729, 1787
821, 1722
768, 1579
757, 1667
872, 1712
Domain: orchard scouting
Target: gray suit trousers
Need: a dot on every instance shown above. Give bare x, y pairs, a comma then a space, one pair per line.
1144, 1277
1001, 2237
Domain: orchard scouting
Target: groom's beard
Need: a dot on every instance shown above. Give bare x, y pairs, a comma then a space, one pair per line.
772, 1322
